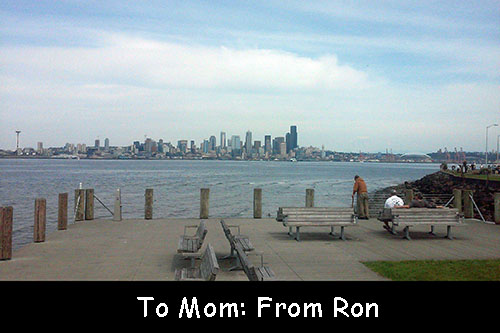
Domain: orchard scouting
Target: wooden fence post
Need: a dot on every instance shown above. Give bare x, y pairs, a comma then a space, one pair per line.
148, 209
62, 214
89, 204
79, 204
117, 214
497, 207
457, 199
204, 202
257, 203
310, 197
40, 220
468, 205
6, 214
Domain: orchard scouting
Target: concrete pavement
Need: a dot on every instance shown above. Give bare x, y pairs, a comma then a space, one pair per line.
147, 250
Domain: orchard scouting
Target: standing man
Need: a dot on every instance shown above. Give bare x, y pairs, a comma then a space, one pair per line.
362, 198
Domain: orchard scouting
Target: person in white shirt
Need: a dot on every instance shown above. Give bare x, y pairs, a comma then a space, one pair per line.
393, 201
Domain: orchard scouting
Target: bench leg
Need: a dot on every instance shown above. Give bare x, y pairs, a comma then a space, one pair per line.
332, 229
237, 265
448, 232
342, 236
407, 233
290, 232
393, 229
297, 234
432, 231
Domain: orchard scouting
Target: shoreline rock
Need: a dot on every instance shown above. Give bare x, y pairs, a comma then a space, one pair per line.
442, 183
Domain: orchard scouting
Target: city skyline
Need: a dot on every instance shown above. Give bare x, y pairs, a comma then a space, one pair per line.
361, 76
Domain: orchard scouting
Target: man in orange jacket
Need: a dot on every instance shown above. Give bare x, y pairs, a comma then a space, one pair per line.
362, 198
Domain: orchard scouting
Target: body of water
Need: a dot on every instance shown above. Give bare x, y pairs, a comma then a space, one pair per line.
177, 184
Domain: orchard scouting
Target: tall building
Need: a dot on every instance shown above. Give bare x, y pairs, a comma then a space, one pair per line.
235, 142
267, 144
277, 144
248, 142
97, 143
193, 147
223, 139
212, 143
182, 145
148, 145
288, 142
293, 137
106, 144
39, 148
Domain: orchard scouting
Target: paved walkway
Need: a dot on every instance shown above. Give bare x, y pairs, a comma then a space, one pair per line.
146, 250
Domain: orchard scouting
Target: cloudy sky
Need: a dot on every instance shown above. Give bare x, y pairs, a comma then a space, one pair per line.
411, 76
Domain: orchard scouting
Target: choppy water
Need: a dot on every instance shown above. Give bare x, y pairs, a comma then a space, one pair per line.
177, 184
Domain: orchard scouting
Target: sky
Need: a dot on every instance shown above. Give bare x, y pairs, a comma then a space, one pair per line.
408, 76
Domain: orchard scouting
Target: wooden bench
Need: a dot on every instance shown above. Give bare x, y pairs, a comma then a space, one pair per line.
260, 273
316, 217
189, 246
410, 217
207, 271
234, 240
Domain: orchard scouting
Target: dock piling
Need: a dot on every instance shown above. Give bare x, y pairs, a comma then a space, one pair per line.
468, 204
257, 203
89, 204
40, 220
117, 215
204, 203
6, 214
62, 215
310, 197
457, 199
148, 209
79, 204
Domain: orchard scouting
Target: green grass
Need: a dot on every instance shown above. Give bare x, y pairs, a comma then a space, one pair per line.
438, 270
492, 177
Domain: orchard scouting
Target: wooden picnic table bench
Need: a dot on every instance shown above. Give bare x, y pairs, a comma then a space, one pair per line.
254, 273
317, 217
207, 271
190, 246
410, 217
234, 240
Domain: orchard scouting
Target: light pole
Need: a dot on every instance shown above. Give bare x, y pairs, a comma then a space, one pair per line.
486, 151
498, 138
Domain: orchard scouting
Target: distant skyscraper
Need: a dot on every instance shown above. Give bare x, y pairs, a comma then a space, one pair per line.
148, 145
39, 148
97, 143
267, 144
182, 145
288, 142
235, 142
293, 137
277, 144
248, 142
223, 139
193, 147
106, 144
212, 143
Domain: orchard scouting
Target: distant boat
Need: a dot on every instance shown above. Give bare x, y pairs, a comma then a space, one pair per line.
293, 160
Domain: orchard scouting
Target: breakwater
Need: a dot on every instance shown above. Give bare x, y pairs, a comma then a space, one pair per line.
440, 182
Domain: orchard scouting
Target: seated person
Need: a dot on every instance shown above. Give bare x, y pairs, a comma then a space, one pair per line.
391, 202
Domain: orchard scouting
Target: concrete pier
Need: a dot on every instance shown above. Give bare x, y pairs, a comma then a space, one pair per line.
142, 249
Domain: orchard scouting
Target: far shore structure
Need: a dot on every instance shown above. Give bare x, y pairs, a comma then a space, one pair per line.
147, 248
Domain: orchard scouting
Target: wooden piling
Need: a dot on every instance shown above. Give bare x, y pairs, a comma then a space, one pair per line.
79, 204
457, 199
204, 202
148, 208
6, 214
62, 214
257, 203
497, 207
89, 204
117, 213
40, 220
468, 205
408, 196
310, 197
